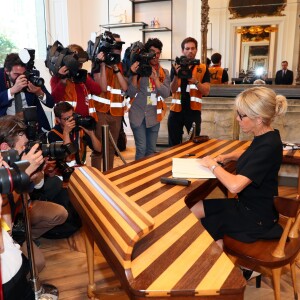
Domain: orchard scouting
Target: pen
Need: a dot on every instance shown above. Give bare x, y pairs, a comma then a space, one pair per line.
190, 154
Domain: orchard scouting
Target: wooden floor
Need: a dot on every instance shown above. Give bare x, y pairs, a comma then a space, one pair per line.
66, 267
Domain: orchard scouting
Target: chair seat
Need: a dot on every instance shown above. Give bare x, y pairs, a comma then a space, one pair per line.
254, 254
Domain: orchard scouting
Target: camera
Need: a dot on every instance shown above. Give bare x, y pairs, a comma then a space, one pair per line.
138, 53
10, 156
105, 43
30, 120
88, 122
58, 56
14, 178
55, 150
27, 56
64, 169
185, 63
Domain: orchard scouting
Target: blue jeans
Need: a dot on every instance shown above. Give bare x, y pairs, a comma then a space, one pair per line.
145, 139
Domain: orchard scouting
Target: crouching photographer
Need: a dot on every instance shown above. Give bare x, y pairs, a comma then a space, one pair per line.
44, 215
76, 130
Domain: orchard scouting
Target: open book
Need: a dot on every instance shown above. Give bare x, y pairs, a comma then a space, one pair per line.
189, 168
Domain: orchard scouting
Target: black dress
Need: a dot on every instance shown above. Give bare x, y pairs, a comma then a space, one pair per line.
252, 216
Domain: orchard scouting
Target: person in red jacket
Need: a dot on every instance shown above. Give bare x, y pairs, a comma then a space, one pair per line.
78, 93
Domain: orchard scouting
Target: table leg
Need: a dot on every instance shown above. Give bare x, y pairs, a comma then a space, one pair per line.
89, 243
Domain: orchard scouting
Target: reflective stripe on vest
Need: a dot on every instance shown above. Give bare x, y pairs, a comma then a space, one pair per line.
92, 110
73, 103
176, 101
101, 99
196, 99
114, 91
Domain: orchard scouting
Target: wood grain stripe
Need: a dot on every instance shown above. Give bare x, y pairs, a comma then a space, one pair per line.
217, 275
140, 263
182, 264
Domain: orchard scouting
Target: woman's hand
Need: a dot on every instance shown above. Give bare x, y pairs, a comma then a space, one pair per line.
207, 161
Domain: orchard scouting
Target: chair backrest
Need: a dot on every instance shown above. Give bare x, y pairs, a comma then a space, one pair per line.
287, 207
109, 212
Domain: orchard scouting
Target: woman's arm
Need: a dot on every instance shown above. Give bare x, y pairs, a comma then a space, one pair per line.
234, 183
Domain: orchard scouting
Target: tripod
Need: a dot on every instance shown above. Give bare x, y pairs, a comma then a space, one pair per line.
41, 291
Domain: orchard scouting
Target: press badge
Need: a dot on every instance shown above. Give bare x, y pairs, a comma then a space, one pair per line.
152, 99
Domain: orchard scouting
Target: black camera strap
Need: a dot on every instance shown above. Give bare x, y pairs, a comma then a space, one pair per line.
18, 102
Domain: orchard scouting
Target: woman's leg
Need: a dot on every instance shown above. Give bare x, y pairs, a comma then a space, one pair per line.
198, 210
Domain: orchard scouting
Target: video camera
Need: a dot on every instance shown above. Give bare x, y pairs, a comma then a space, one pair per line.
185, 63
27, 56
58, 56
105, 43
138, 53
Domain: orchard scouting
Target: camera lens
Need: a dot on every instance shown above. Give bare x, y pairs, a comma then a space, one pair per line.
15, 178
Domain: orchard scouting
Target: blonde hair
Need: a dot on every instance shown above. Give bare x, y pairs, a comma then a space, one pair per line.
261, 102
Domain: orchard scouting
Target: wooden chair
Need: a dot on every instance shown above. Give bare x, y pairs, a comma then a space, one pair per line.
266, 255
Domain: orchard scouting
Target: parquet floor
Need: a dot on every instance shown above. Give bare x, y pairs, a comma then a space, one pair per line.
66, 267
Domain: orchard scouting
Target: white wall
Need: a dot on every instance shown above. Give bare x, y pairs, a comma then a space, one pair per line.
72, 21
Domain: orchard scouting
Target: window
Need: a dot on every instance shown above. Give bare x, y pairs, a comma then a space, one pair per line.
22, 25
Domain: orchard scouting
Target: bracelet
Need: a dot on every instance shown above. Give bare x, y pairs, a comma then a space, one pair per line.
212, 168
116, 71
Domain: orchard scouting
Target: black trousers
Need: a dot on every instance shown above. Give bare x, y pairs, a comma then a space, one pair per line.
178, 120
18, 288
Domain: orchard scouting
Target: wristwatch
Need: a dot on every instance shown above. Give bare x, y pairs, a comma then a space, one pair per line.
212, 168
196, 83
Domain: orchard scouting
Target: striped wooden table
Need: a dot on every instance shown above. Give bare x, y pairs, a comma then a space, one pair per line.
175, 258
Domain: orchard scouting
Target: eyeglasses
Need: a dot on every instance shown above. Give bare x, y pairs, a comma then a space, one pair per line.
66, 118
241, 116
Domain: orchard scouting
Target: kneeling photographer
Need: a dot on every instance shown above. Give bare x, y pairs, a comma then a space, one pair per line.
43, 215
149, 84
74, 129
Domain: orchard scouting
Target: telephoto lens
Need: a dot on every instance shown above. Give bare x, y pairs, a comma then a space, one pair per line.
15, 178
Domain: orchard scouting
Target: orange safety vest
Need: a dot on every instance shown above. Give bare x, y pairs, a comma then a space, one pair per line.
113, 99
161, 106
71, 97
216, 73
79, 157
195, 94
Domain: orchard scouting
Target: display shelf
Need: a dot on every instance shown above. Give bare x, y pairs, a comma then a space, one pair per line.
147, 1
153, 29
122, 25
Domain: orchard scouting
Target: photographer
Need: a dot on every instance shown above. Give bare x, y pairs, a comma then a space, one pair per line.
148, 93
187, 93
110, 106
65, 130
14, 83
43, 215
77, 93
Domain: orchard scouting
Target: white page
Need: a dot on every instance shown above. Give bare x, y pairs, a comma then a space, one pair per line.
189, 168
